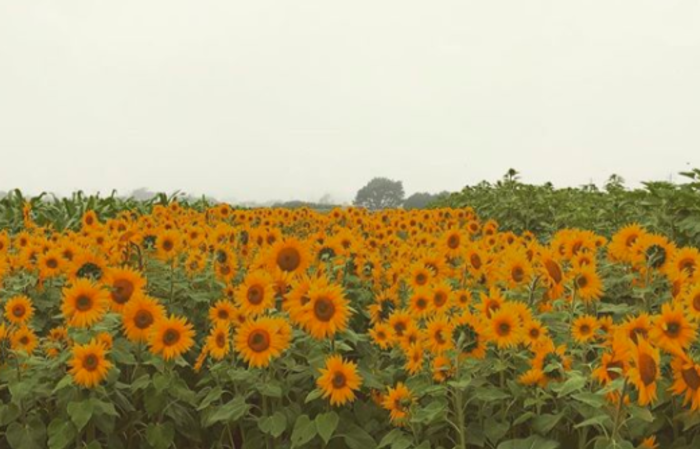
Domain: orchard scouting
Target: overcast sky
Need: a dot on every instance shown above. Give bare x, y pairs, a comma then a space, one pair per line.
260, 100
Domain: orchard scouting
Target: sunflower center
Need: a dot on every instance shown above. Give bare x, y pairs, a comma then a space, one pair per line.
143, 319
453, 241
673, 329
691, 378
400, 328
534, 333
647, 369
24, 340
123, 289
339, 380
220, 340
638, 332
630, 240
222, 314
255, 295
475, 260
554, 270
688, 265
83, 303
288, 259
585, 329
421, 278
696, 302
421, 303
171, 337
52, 263
168, 245
18, 311
259, 340
440, 299
90, 362
518, 274
439, 338
582, 281
324, 309
503, 329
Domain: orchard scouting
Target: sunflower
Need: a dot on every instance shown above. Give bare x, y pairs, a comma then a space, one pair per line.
326, 313
339, 380
442, 297
635, 327
671, 329
505, 328
685, 263
551, 361
532, 376
255, 295
415, 356
84, 303
609, 363
89, 365
491, 302
588, 284
19, 310
124, 283
420, 303
534, 332
168, 245
620, 247
87, 265
645, 370
468, 336
420, 276
439, 335
24, 339
442, 368
516, 270
218, 341
381, 335
222, 311
686, 379
399, 321
584, 328
50, 264
289, 255
171, 337
453, 242
383, 306
692, 301
259, 341
398, 401
139, 316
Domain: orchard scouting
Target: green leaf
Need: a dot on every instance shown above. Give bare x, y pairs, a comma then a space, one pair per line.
545, 422
213, 395
326, 424
494, 430
61, 433
160, 436
304, 431
80, 413
595, 421
390, 437
592, 399
357, 438
641, 413
273, 390
533, 442
490, 394
232, 411
66, 381
572, 385
313, 395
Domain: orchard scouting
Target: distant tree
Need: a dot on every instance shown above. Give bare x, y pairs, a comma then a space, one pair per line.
142, 194
326, 199
418, 200
380, 193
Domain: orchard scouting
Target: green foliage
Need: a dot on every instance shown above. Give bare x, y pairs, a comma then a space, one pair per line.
380, 193
671, 209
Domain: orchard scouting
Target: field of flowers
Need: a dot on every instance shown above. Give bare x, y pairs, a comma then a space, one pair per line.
216, 327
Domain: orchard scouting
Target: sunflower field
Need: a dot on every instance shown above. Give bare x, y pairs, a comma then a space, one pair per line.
159, 325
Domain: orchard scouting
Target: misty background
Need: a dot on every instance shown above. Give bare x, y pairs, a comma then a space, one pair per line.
274, 101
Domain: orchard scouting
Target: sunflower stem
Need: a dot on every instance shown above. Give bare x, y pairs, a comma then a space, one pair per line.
618, 413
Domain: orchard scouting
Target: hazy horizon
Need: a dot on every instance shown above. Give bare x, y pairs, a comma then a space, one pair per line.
276, 101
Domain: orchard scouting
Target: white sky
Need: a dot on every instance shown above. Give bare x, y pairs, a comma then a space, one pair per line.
259, 100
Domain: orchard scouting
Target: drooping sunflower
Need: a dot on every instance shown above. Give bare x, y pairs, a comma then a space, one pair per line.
505, 328
84, 303
468, 336
139, 316
551, 361
89, 365
584, 328
442, 368
87, 265
19, 310
686, 380
289, 255
171, 337
261, 340
398, 401
327, 311
255, 295
218, 341
339, 380
672, 330
123, 283
645, 371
